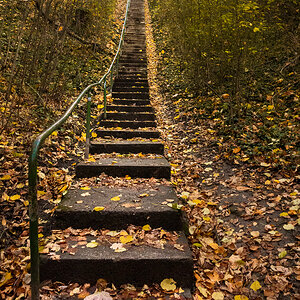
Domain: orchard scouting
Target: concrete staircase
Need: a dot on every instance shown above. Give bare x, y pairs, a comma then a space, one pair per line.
130, 127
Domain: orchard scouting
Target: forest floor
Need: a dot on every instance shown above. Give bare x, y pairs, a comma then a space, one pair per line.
243, 218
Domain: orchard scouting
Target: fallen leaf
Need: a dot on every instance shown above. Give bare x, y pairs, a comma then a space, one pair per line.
99, 208
126, 239
282, 254
6, 277
146, 227
255, 286
5, 177
99, 296
241, 297
143, 195
288, 226
85, 188
118, 247
92, 244
217, 295
85, 194
15, 197
116, 198
168, 284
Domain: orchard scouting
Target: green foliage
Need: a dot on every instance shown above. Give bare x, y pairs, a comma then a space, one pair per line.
234, 59
50, 48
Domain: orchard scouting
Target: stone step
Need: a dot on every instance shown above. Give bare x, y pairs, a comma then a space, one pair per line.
133, 65
132, 88
133, 75
131, 209
138, 265
133, 95
128, 134
132, 116
127, 124
120, 167
132, 60
131, 102
126, 147
130, 82
133, 69
128, 108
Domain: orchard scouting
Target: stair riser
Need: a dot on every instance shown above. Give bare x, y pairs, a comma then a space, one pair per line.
128, 134
130, 82
132, 102
120, 95
133, 66
118, 148
85, 171
128, 124
131, 89
124, 108
131, 116
118, 271
115, 221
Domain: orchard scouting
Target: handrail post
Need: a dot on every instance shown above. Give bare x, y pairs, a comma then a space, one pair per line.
105, 100
33, 224
88, 125
111, 78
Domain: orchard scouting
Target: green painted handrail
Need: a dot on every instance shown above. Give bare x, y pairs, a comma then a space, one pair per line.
32, 173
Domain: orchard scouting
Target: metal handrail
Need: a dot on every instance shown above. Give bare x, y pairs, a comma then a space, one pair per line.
32, 173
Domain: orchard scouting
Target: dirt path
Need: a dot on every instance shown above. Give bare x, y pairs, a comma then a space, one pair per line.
243, 218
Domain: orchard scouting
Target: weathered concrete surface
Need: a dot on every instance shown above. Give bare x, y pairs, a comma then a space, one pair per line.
128, 134
138, 265
134, 167
126, 147
77, 211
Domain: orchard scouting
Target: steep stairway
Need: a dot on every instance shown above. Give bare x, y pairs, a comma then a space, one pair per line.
129, 137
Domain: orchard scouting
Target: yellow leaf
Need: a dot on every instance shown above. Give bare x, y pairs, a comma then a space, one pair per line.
282, 254
20, 185
168, 284
241, 297
94, 134
92, 244
54, 133
267, 182
256, 29
5, 177
217, 295
126, 239
26, 203
99, 208
203, 291
185, 195
15, 197
85, 188
143, 195
41, 193
127, 177
288, 226
284, 214
5, 278
255, 286
146, 227
236, 150
255, 233
117, 198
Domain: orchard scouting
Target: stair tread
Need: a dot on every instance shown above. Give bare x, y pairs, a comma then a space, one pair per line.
90, 264
157, 167
134, 207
